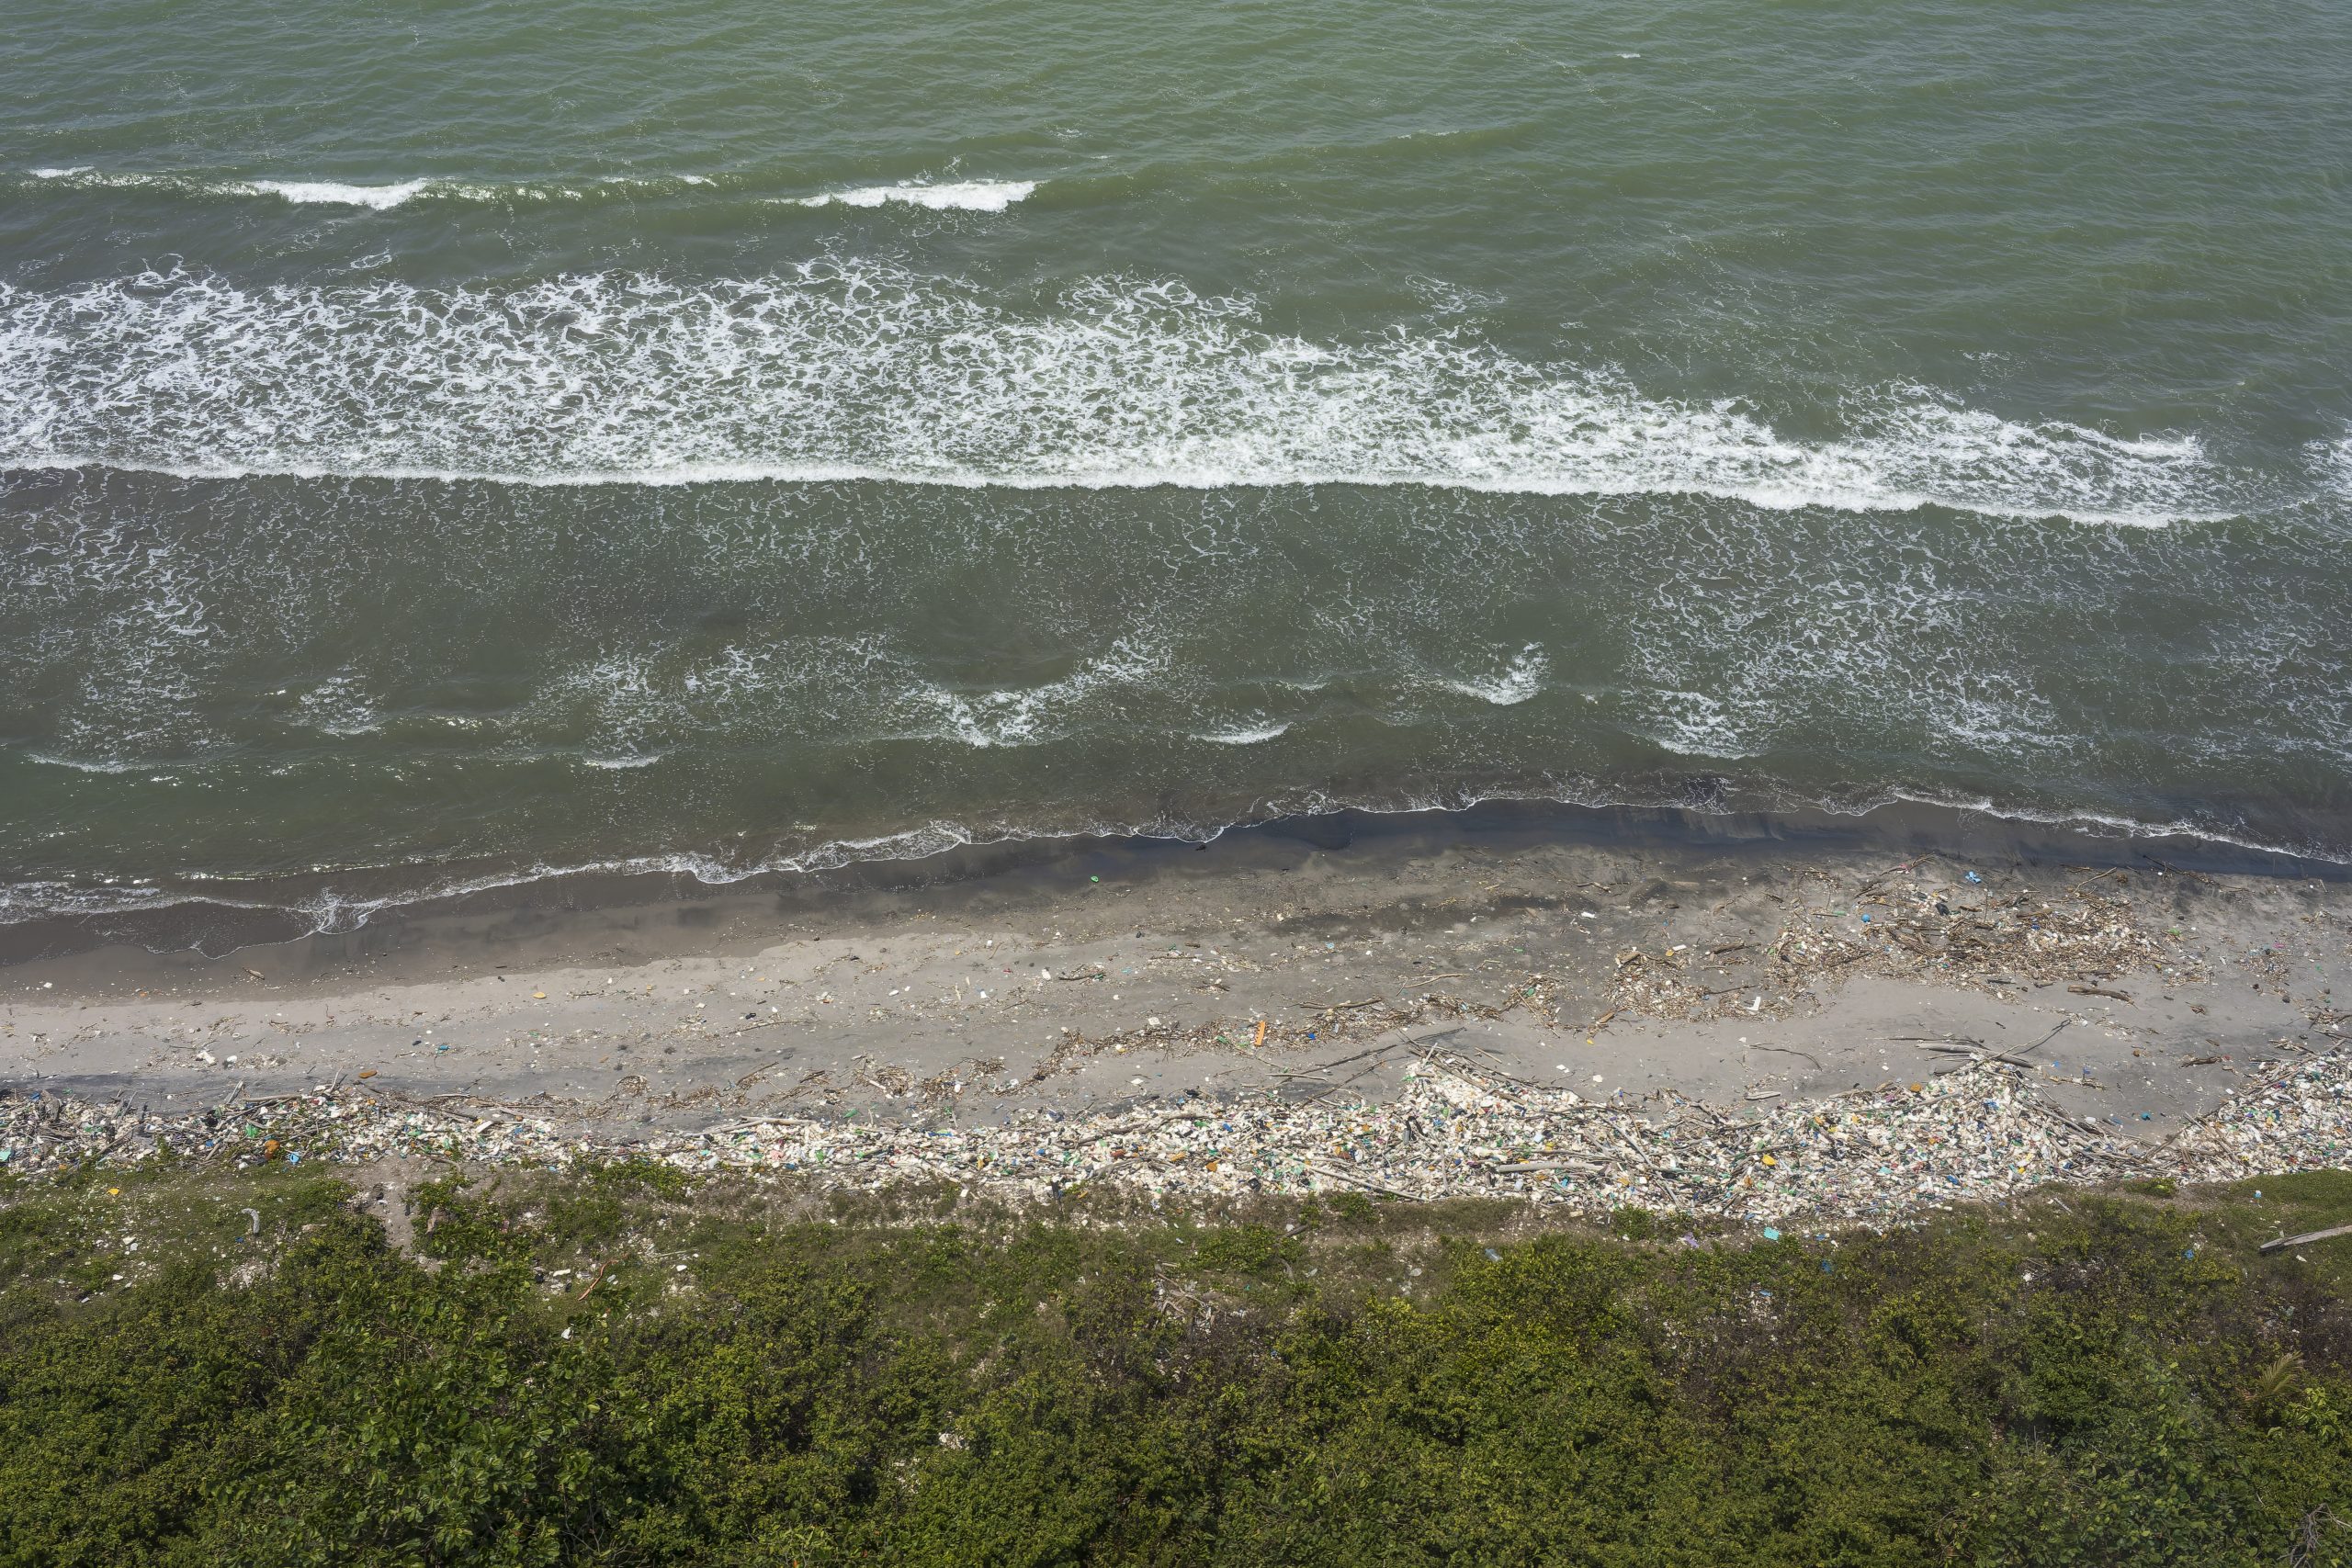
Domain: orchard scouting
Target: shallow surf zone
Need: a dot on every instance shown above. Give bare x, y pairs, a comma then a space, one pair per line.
861, 370
273, 688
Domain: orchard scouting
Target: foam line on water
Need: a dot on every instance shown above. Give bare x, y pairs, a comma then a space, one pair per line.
850, 370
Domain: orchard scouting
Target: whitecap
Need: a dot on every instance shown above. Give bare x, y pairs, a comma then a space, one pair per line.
336, 193
963, 196
1250, 734
379, 197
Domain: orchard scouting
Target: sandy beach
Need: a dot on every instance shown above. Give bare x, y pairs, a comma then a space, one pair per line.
1642, 958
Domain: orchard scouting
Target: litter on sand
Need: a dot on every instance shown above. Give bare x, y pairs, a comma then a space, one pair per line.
1456, 1130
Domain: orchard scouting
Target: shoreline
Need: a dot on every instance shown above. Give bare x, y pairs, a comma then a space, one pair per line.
1653, 960
218, 927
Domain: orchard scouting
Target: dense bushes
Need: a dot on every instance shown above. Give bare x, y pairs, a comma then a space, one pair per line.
2115, 1381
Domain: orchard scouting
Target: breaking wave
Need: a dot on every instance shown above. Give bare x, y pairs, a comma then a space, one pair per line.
963, 196
939, 195
1245, 735
853, 370
346, 193
1521, 678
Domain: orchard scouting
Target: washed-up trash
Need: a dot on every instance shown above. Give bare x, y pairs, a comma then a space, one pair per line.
1456, 1129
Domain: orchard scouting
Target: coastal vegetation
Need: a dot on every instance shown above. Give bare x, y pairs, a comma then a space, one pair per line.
625, 1365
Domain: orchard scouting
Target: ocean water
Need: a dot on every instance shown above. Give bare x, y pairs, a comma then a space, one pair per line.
446, 448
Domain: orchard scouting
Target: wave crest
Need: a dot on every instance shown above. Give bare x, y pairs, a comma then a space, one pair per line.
837, 369
381, 198
961, 196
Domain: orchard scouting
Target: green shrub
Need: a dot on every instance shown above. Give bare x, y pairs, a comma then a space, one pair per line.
592, 1370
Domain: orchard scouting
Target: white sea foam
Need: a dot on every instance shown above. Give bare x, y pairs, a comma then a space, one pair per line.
336, 193
1026, 715
1521, 678
629, 709
1246, 735
339, 706
962, 196
1691, 723
381, 198
2332, 461
840, 370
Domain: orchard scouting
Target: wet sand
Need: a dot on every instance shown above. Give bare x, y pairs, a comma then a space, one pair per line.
1728, 960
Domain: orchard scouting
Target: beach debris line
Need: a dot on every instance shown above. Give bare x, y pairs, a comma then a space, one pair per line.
1457, 1129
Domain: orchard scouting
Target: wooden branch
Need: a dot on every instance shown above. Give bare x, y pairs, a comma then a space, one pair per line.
2285, 1242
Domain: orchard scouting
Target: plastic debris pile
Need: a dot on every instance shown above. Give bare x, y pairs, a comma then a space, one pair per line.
2295, 1116
1982, 1132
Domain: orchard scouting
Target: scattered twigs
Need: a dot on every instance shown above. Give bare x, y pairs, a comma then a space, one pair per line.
1977, 1054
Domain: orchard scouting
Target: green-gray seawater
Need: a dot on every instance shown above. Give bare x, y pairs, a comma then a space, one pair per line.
450, 443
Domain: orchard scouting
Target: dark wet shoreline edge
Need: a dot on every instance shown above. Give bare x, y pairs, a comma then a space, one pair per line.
1360, 840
